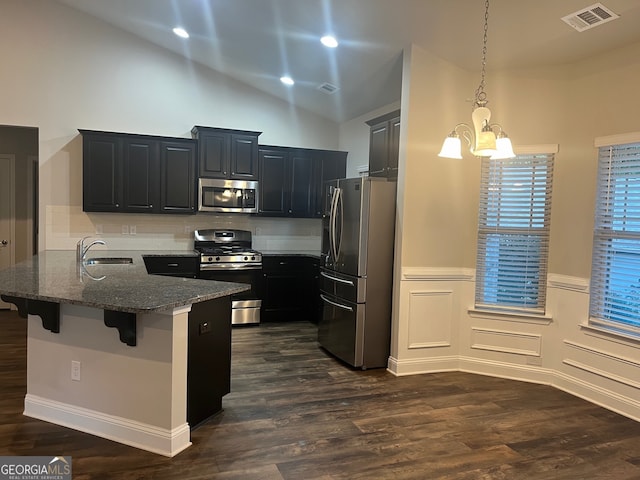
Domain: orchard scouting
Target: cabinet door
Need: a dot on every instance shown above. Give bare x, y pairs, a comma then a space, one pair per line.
214, 154
329, 165
379, 149
285, 288
140, 175
302, 199
178, 177
244, 157
102, 173
274, 181
394, 147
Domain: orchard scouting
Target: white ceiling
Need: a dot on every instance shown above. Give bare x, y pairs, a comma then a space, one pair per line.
257, 41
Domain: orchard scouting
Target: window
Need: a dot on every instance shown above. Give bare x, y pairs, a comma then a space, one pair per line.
513, 233
615, 270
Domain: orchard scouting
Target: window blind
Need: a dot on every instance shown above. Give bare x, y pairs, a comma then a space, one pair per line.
513, 233
615, 269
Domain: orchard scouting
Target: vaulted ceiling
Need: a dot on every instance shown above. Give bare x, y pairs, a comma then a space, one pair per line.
258, 41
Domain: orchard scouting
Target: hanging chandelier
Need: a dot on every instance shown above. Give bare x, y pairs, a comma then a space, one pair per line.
484, 139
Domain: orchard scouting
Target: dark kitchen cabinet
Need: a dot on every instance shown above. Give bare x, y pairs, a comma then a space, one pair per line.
384, 145
178, 176
291, 179
186, 266
101, 173
226, 153
131, 173
274, 179
290, 288
331, 165
209, 341
140, 172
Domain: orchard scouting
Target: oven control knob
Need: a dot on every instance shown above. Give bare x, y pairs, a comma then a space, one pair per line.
246, 258
210, 258
217, 259
253, 257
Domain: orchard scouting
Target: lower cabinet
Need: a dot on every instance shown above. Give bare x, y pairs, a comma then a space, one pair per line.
290, 288
209, 358
209, 341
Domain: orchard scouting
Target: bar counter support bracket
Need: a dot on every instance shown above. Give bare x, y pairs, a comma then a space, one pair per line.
49, 312
125, 322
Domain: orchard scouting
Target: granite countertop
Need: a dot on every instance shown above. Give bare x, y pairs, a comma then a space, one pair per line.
55, 276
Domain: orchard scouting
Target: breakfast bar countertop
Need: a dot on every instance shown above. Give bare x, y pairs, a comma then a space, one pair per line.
56, 276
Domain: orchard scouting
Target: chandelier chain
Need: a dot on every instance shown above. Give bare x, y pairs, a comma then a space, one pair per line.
481, 96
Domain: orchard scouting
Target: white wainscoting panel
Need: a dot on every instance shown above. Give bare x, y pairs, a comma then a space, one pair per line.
505, 341
430, 318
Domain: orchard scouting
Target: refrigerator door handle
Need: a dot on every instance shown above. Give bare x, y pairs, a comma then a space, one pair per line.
338, 217
335, 279
335, 304
334, 215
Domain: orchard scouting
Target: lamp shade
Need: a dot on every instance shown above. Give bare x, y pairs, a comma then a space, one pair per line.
451, 148
504, 148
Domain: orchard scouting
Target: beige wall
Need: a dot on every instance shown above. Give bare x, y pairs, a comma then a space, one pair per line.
435, 327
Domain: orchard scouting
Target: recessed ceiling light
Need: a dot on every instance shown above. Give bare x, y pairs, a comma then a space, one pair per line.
181, 32
329, 41
287, 80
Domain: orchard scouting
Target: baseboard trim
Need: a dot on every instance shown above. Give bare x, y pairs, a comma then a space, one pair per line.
422, 365
611, 400
135, 434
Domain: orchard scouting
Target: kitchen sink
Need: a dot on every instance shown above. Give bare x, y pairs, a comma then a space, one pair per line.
109, 261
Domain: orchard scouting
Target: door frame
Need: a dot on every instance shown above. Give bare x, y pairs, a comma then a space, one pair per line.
12, 211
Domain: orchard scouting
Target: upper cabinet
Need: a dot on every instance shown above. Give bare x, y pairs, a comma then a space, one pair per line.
225, 153
291, 180
138, 173
384, 145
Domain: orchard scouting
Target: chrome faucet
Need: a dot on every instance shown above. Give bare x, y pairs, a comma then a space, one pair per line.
81, 249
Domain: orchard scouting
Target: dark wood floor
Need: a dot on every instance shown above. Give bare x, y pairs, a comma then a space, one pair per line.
296, 413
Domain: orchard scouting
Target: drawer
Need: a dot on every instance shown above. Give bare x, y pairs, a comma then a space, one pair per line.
172, 265
343, 286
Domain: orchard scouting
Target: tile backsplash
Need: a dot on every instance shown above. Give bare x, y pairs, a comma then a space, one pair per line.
66, 225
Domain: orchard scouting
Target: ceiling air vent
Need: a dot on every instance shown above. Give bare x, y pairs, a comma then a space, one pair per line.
590, 17
328, 88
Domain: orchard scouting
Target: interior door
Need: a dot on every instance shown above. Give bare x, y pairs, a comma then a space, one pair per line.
7, 220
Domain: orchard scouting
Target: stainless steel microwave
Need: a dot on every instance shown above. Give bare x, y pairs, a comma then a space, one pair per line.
229, 196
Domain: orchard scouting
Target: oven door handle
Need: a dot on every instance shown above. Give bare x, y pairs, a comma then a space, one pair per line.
335, 304
236, 267
336, 279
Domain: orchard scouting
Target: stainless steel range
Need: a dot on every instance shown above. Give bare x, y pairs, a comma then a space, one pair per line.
226, 256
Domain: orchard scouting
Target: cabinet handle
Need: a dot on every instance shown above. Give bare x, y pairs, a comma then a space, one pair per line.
117, 205
172, 264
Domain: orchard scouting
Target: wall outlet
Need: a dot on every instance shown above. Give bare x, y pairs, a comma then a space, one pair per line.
75, 370
99, 229
132, 229
125, 229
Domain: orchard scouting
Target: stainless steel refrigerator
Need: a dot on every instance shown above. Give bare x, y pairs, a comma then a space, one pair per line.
357, 270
